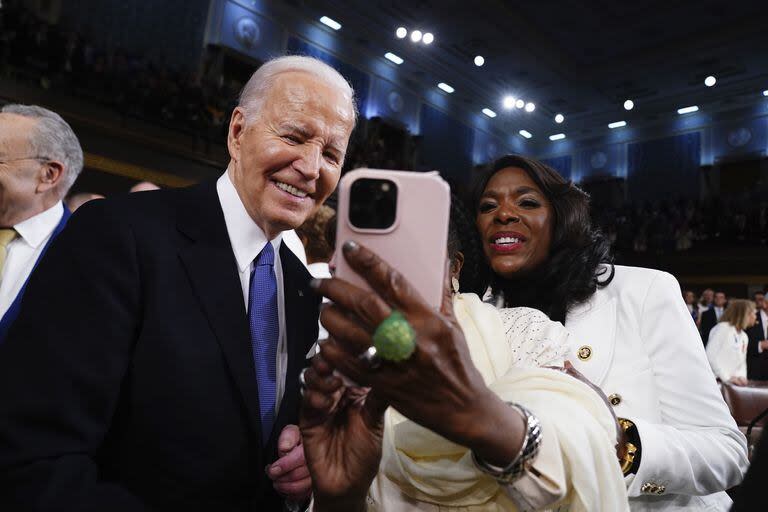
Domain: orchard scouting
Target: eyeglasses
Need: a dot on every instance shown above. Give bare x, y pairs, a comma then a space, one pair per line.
38, 158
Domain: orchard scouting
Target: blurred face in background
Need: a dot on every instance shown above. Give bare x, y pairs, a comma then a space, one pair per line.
707, 296
720, 299
760, 301
689, 297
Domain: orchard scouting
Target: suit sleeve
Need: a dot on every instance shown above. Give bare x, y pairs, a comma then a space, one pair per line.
62, 365
717, 352
695, 448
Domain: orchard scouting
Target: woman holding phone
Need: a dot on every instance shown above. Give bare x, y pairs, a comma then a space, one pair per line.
636, 340
470, 428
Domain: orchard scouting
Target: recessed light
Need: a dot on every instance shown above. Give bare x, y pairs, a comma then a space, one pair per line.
525, 133
509, 102
428, 38
490, 113
393, 58
765, 92
688, 110
530, 107
629, 105
710, 81
617, 124
335, 25
519, 103
401, 32
447, 88
557, 136
416, 36
559, 118
479, 61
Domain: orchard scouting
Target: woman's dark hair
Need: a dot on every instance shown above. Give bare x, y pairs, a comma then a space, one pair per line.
463, 237
573, 271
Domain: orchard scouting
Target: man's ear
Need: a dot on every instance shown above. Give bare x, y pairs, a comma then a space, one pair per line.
236, 131
50, 175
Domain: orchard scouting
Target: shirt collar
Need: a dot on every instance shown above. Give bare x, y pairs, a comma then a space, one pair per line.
246, 237
35, 230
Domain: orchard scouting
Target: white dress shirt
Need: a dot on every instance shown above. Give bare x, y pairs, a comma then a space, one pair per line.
764, 318
247, 240
24, 251
727, 351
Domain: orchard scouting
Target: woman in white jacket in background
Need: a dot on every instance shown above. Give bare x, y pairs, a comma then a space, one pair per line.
727, 345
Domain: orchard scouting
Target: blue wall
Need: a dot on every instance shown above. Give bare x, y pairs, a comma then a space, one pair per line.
446, 144
663, 168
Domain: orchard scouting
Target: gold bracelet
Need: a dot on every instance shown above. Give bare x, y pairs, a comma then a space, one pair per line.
631, 449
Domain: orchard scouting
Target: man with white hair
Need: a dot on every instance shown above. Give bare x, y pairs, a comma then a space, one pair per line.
40, 158
155, 362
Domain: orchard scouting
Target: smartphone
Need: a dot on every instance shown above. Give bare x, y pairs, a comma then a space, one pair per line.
403, 217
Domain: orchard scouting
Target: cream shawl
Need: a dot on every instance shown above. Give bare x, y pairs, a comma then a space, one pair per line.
577, 464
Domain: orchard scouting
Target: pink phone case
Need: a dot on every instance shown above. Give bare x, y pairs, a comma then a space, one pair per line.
416, 244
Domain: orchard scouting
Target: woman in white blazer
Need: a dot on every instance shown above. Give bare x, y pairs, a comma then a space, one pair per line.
727, 345
633, 335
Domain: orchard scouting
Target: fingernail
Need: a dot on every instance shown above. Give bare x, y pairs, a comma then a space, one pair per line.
314, 283
351, 246
275, 470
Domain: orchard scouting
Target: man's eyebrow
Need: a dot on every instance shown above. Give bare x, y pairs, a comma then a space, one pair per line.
297, 128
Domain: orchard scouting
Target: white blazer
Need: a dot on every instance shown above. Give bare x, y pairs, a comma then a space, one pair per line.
727, 351
636, 340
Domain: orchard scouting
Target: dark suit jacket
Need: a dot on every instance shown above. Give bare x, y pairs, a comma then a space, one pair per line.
127, 381
708, 321
13, 311
757, 363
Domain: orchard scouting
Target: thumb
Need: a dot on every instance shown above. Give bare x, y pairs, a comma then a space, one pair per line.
289, 438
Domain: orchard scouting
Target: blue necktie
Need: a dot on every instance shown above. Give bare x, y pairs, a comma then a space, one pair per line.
265, 331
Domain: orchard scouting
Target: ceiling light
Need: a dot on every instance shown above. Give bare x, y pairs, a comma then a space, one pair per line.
401, 32
765, 92
687, 110
629, 105
617, 124
335, 25
428, 38
394, 58
530, 107
416, 36
557, 136
508, 102
559, 118
710, 81
447, 88
489, 112
479, 61
519, 103
525, 133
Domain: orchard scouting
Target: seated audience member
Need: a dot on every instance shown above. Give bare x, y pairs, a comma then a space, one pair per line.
154, 364
705, 302
40, 158
712, 316
757, 350
727, 346
690, 302
443, 443
143, 186
75, 201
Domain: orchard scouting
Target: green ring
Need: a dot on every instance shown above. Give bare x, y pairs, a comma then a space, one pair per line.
394, 338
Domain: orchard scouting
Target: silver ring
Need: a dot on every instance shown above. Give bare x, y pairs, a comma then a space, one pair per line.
371, 357
302, 381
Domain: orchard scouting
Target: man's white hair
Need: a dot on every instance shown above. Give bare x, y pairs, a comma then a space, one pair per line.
255, 91
52, 138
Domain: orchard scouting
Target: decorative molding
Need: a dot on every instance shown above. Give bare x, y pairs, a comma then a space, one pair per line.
135, 172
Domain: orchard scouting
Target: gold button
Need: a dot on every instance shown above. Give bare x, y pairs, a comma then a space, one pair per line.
615, 399
585, 352
661, 489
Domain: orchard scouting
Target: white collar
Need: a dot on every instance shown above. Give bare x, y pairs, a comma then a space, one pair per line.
35, 230
246, 237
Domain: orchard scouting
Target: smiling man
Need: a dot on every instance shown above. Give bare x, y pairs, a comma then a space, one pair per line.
161, 372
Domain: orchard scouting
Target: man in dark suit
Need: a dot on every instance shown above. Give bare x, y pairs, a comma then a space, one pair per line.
40, 158
757, 350
711, 316
155, 362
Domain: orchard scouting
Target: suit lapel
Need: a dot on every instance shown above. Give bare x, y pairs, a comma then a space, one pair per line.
212, 270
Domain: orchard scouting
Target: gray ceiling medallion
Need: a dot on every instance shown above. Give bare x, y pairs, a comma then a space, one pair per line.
739, 137
395, 101
598, 160
247, 32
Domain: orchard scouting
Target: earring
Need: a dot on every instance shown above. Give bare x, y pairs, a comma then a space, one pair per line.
455, 284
